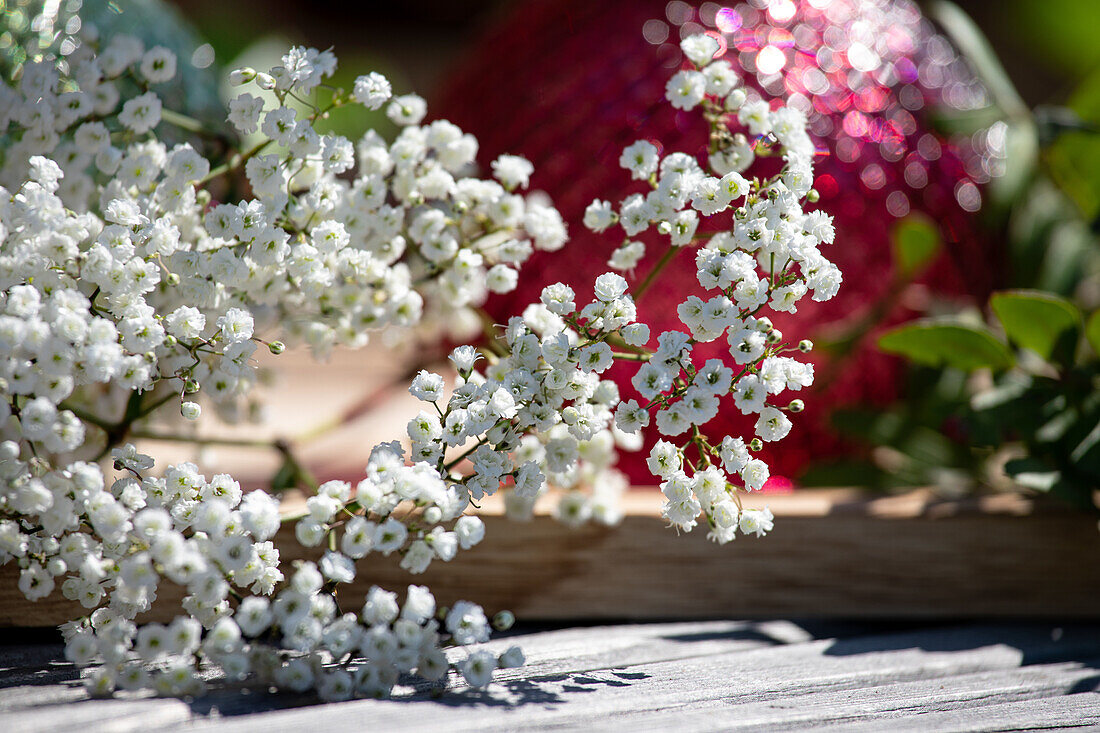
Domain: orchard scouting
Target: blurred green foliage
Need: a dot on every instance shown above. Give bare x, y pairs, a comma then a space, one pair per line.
1011, 398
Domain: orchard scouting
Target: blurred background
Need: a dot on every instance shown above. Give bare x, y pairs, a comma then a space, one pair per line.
1047, 48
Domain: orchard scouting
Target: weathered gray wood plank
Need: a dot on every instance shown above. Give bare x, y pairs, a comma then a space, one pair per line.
882, 705
764, 680
693, 676
1054, 713
108, 716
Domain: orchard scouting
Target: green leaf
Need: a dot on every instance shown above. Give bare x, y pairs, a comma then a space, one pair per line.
1042, 322
939, 343
1092, 331
1048, 242
1021, 161
916, 241
1032, 474
974, 46
1087, 452
285, 477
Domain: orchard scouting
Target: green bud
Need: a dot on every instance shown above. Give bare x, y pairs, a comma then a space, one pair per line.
774, 336
813, 196
172, 279
756, 444
191, 386
763, 325
276, 347
805, 346
504, 620
796, 406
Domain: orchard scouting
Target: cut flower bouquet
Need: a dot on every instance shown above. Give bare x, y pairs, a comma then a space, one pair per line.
132, 294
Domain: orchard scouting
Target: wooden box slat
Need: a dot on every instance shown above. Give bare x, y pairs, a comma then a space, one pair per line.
832, 554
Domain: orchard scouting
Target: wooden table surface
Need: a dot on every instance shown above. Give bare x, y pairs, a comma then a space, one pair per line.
725, 675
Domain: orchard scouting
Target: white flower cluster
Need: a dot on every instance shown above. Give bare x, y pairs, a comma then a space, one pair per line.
539, 413
768, 258
339, 655
119, 268
124, 287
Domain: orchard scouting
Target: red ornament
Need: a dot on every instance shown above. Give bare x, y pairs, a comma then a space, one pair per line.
569, 83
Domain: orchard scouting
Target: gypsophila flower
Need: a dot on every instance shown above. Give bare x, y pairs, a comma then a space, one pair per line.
127, 283
407, 109
512, 171
141, 114
158, 65
686, 89
699, 48
599, 216
372, 90
640, 159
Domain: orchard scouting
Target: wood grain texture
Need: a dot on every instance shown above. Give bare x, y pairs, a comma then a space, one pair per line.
831, 554
729, 676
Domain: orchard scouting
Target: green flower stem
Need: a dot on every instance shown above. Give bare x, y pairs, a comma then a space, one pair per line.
652, 276
622, 356
233, 163
190, 124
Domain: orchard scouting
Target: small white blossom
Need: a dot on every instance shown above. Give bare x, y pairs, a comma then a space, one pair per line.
372, 90
699, 48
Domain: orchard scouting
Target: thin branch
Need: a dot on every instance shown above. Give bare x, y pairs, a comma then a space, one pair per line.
652, 276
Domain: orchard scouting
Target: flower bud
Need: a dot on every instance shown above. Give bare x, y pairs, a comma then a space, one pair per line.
805, 346
276, 347
172, 279
735, 99
503, 620
9, 450
191, 410
796, 406
265, 81
813, 196
191, 386
433, 515
774, 336
756, 444
764, 325
242, 76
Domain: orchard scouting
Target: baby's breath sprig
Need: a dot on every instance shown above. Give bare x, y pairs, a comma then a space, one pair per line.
126, 286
